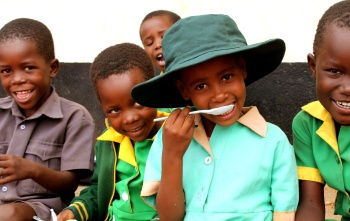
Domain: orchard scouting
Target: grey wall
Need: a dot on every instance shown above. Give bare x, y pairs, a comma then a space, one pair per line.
278, 96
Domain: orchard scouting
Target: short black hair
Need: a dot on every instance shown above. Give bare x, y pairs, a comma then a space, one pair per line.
30, 30
173, 17
119, 59
338, 14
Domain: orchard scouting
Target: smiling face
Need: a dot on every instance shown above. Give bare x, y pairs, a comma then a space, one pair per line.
215, 83
151, 33
25, 75
125, 115
331, 69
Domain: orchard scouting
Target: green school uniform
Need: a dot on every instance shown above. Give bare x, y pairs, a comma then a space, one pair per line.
321, 157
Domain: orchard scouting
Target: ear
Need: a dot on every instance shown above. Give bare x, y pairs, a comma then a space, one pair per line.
181, 87
312, 64
241, 63
54, 66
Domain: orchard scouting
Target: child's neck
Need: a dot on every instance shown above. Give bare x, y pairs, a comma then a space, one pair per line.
208, 126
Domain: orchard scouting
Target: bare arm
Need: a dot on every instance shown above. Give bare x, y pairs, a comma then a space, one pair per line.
311, 201
17, 168
177, 135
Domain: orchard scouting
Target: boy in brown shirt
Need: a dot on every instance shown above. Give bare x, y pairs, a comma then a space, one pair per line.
45, 141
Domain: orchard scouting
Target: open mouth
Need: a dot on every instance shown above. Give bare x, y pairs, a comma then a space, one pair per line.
160, 57
22, 95
135, 129
345, 105
160, 60
229, 111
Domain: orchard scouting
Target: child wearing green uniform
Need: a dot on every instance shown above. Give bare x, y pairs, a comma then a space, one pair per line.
232, 166
122, 149
321, 130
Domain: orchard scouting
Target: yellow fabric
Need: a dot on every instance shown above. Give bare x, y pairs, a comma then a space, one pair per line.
316, 110
309, 174
126, 149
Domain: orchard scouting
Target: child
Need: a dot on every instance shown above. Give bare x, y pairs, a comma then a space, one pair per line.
152, 29
46, 141
233, 166
321, 129
122, 149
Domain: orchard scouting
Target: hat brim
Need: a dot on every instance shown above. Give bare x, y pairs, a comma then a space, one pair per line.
161, 91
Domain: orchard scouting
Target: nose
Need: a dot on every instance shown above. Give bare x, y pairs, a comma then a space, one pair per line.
17, 78
158, 43
131, 117
220, 94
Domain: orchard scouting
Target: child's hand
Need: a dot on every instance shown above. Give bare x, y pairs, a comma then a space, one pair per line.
14, 168
65, 215
177, 133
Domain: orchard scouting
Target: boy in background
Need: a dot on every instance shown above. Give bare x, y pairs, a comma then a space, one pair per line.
152, 30
122, 149
46, 141
232, 166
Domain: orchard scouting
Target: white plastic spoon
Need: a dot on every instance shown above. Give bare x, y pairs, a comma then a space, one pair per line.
214, 111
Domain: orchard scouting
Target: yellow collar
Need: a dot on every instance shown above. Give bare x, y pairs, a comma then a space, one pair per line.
126, 149
327, 129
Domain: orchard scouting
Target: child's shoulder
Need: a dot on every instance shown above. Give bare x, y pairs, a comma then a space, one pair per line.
69, 106
5, 102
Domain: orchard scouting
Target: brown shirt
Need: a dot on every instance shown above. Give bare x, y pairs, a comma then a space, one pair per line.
60, 135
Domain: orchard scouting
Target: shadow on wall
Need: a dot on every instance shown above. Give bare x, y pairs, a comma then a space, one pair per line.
278, 96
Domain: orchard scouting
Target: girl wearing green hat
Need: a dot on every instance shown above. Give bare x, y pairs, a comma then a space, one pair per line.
232, 166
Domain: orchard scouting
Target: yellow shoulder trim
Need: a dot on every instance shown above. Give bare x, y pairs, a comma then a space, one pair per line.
310, 174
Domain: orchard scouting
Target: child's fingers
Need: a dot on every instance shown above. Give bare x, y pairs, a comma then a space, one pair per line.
178, 116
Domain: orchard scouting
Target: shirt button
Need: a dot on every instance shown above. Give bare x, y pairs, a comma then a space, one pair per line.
4, 189
207, 160
125, 196
200, 195
23, 127
337, 159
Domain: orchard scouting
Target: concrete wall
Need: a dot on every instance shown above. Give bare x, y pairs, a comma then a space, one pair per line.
278, 96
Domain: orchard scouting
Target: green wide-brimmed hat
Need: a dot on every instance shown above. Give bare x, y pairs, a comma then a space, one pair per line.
196, 39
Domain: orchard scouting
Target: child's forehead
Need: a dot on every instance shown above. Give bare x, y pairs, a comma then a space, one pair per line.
214, 65
19, 46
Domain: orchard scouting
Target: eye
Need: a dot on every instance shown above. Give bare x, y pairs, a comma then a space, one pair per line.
114, 111
201, 86
226, 77
29, 68
334, 71
5, 71
148, 43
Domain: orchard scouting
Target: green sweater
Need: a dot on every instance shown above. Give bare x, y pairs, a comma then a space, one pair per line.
116, 182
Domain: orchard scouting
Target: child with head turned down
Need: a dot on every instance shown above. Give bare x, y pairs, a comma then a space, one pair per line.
152, 30
122, 149
46, 141
232, 166
321, 130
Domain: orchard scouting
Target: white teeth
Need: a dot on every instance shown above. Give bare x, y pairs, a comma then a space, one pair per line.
23, 92
343, 104
159, 56
136, 129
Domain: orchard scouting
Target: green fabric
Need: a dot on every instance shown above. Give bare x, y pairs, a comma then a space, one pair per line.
129, 184
312, 151
94, 201
187, 43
